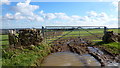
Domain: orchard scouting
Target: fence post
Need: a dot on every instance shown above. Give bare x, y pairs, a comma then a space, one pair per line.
105, 29
79, 28
43, 31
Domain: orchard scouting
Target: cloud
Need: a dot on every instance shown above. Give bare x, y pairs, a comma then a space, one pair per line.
103, 16
51, 16
16, 16
115, 4
92, 14
26, 8
92, 18
62, 16
24, 11
7, 2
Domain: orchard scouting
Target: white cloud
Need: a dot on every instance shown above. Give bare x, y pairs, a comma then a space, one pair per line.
62, 16
103, 16
115, 4
26, 8
49, 16
18, 16
24, 11
9, 16
92, 14
38, 18
7, 2
93, 18
75, 17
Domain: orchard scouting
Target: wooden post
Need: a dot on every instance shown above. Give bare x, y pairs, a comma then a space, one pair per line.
105, 29
43, 31
79, 31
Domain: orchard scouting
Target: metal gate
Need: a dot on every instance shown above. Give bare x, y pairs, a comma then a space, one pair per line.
55, 33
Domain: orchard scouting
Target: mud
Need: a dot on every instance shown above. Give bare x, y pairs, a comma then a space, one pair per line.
82, 47
107, 52
69, 59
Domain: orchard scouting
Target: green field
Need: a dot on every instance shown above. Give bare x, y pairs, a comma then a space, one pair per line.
33, 55
93, 35
4, 40
88, 36
81, 32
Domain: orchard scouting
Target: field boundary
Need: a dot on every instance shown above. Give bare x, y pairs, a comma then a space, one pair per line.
59, 32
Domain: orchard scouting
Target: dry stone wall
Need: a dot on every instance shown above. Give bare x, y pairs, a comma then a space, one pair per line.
25, 37
111, 37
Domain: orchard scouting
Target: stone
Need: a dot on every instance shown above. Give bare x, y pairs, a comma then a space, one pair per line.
110, 37
26, 37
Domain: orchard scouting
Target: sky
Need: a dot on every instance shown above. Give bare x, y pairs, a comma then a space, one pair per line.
29, 14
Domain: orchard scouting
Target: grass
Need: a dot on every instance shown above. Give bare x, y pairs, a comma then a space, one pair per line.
112, 47
4, 37
114, 30
80, 32
4, 40
24, 57
114, 44
84, 34
96, 40
31, 56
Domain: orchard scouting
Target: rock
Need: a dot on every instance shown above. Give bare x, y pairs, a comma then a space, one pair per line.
26, 37
110, 37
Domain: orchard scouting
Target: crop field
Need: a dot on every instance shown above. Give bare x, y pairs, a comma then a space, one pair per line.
4, 39
84, 34
28, 57
92, 34
81, 33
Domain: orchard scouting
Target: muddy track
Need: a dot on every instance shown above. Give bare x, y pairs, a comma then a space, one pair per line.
79, 46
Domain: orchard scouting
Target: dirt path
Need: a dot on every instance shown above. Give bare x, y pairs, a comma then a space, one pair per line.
81, 47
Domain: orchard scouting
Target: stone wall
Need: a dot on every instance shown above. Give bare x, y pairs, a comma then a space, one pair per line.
111, 37
25, 37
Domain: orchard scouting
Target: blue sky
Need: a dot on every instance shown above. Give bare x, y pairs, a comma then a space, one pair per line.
58, 13
70, 8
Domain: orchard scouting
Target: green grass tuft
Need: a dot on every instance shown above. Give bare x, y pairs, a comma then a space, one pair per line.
24, 57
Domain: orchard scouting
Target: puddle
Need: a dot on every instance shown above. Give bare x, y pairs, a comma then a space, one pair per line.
96, 50
100, 53
69, 59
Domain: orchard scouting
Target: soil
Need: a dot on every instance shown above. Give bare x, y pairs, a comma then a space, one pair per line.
81, 46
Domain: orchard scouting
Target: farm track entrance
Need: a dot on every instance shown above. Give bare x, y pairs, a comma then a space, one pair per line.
80, 47
91, 33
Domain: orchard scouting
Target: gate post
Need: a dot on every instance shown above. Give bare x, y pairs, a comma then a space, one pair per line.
43, 31
105, 29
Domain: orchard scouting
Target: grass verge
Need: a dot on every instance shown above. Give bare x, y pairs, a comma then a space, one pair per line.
112, 47
24, 57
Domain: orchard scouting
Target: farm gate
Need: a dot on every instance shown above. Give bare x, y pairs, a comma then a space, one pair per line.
55, 33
